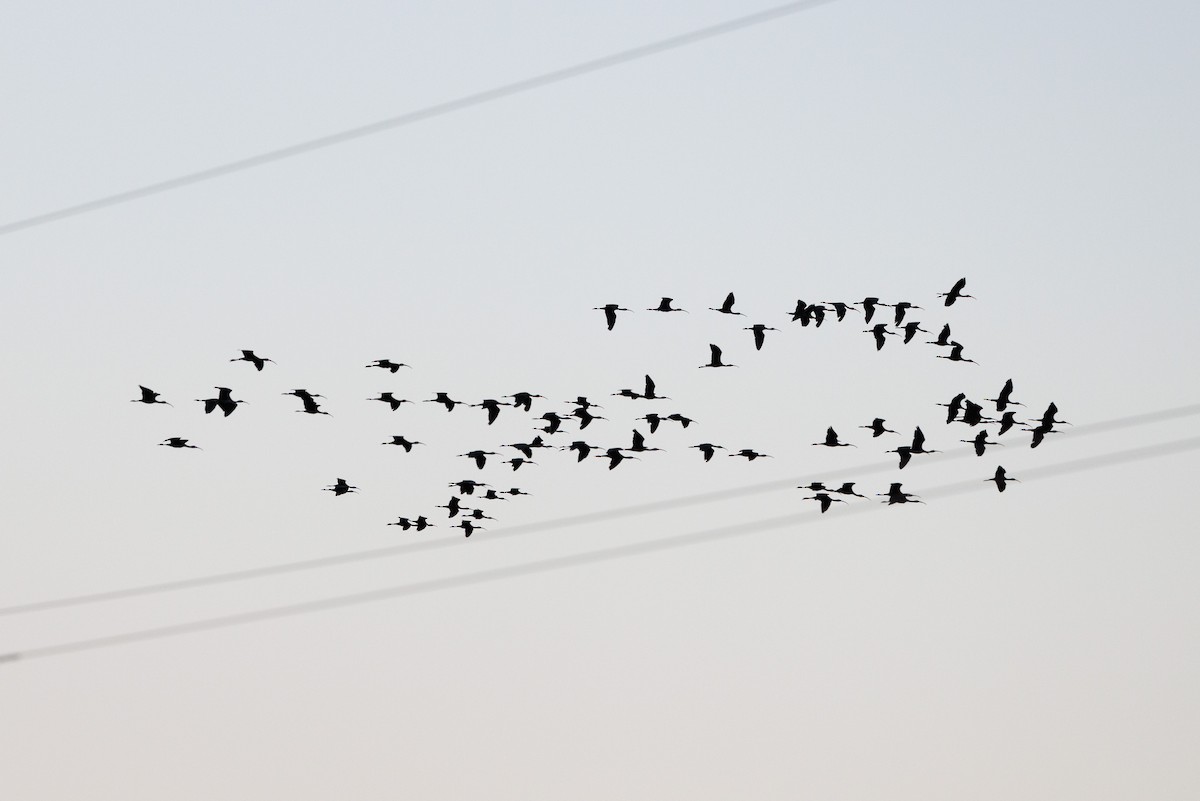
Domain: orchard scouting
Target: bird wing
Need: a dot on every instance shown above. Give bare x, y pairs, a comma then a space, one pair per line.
959, 286
716, 354
918, 441
728, 305
649, 386
638, 440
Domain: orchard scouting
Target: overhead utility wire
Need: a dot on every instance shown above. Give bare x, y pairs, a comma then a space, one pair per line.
574, 560
667, 504
419, 115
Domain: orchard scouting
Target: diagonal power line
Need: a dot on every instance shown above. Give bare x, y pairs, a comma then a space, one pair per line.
575, 560
419, 115
601, 516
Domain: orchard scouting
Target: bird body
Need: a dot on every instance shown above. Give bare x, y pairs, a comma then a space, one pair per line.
664, 305
760, 335
614, 456
1001, 478
825, 499
148, 396
715, 359
523, 400
708, 449
224, 401
257, 361
831, 440
403, 443
749, 454
727, 306
879, 330
178, 442
877, 428
897, 495
610, 313
388, 364
340, 487
444, 399
391, 400
955, 292
480, 457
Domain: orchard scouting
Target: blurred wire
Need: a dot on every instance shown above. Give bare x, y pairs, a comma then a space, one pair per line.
420, 115
589, 557
1164, 415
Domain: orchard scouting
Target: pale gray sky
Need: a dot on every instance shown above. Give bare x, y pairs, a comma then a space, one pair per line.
1039, 644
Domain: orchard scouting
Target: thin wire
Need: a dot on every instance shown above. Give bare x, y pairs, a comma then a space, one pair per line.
557, 523
589, 557
420, 115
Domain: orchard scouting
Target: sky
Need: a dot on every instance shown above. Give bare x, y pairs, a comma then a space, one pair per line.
1035, 644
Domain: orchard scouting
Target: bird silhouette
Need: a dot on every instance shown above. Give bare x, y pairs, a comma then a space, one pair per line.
901, 308
584, 403
554, 422
480, 457
910, 331
980, 442
825, 500
492, 495
973, 414
491, 406
148, 396
585, 417
869, 305
453, 506
179, 442
954, 406
814, 486
477, 514
918, 442
420, 524
403, 443
1049, 415
956, 350
445, 400
627, 393
614, 456
1004, 399
708, 449
750, 454
224, 401
340, 487
639, 444
469, 528
523, 400
257, 361
1001, 478
679, 418
818, 313
390, 400
831, 440
467, 486
897, 495
955, 292
302, 394
388, 364
880, 332
943, 337
1007, 421
1039, 433
610, 313
664, 305
515, 491
877, 428
905, 452
727, 306
653, 419
517, 461
848, 489
580, 447
715, 359
802, 313
649, 393
310, 406
760, 335
840, 308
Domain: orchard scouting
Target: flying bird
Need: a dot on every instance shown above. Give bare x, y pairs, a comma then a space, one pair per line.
954, 406
311, 406
340, 487
848, 489
727, 306
943, 337
586, 417
179, 442
148, 396
956, 350
1001, 478
649, 394
1004, 399
224, 401
665, 306
869, 305
480, 457
403, 443
390, 400
580, 447
517, 461
760, 335
896, 495
491, 406
470, 528
388, 364
901, 308
610, 313
980, 442
910, 331
831, 440
614, 456
445, 400
708, 449
880, 331
750, 455
825, 500
523, 400
955, 292
715, 360
639, 443
679, 418
877, 428
257, 361
467, 486
840, 308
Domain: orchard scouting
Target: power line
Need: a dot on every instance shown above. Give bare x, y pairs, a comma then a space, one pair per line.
420, 115
588, 557
601, 516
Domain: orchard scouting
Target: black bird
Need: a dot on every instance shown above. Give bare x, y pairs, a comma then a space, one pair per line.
648, 393
517, 461
467, 486
750, 454
896, 495
1001, 478
905, 452
918, 442
902, 307
1039, 433
973, 414
880, 331
955, 292
388, 364
445, 400
627, 393
491, 495
664, 305
869, 305
639, 444
653, 419
727, 306
848, 489
311, 407
179, 442
515, 491
802, 313
818, 313
1007, 421
470, 528
480, 457
840, 308
554, 422
478, 514
1049, 415
831, 440
580, 447
148, 396
610, 313
877, 428
403, 443
302, 394
679, 418
523, 400
586, 417
715, 360
224, 401
980, 442
815, 486
584, 403
825, 500
614, 456
340, 487
526, 447
1004, 399
454, 506
257, 361
420, 524
953, 407
760, 335
910, 331
708, 449
943, 337
491, 406
956, 350
390, 400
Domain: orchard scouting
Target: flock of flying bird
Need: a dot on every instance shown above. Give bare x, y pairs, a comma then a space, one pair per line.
581, 413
